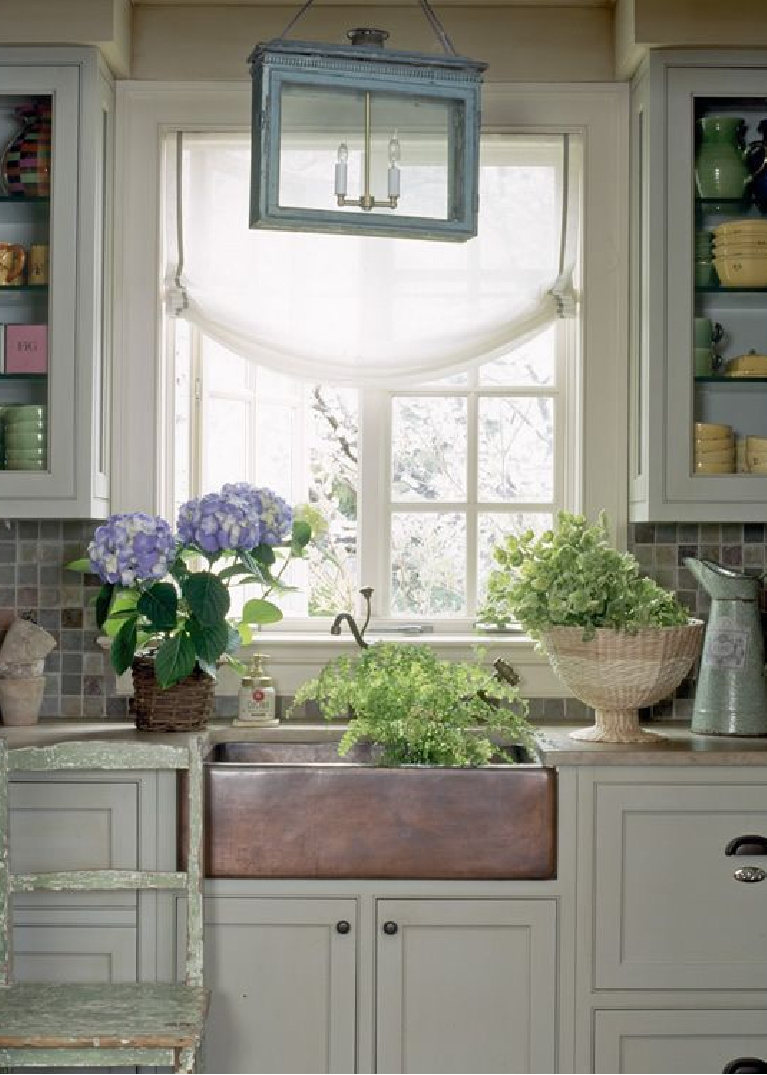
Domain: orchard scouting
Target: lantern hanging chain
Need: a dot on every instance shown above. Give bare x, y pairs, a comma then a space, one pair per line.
429, 14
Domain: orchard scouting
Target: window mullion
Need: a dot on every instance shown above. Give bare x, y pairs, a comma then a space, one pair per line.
472, 495
374, 513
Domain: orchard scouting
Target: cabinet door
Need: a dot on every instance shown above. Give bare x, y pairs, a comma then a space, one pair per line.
694, 1042
670, 912
54, 323
466, 985
283, 979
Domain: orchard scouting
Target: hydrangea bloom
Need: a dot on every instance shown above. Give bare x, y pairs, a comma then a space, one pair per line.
132, 548
219, 521
274, 514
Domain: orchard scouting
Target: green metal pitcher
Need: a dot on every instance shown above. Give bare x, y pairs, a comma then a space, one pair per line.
731, 696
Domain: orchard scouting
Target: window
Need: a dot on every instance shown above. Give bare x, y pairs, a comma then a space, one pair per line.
593, 462
408, 488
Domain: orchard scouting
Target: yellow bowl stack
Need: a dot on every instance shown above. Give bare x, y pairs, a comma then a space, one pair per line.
756, 455
740, 253
714, 449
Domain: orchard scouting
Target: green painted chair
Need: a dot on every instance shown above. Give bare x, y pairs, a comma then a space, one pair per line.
82, 1026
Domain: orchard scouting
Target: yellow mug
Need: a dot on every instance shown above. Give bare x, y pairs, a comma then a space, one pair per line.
37, 264
12, 261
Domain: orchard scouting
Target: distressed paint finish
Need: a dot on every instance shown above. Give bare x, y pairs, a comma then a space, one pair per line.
6, 925
101, 754
96, 881
73, 1025
132, 1015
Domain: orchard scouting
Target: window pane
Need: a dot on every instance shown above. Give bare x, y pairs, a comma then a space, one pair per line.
428, 564
428, 449
333, 437
493, 528
225, 371
226, 443
516, 449
532, 364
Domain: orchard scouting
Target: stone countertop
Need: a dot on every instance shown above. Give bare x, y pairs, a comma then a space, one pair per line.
679, 747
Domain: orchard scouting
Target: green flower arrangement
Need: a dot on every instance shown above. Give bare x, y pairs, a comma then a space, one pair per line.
419, 709
573, 577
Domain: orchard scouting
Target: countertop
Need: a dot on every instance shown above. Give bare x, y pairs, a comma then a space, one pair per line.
678, 747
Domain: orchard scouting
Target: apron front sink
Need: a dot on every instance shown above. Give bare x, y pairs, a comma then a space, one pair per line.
297, 810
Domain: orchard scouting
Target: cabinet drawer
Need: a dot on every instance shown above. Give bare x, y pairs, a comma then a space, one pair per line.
669, 913
650, 1042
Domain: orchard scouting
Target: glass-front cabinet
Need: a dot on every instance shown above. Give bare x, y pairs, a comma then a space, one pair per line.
699, 287
55, 181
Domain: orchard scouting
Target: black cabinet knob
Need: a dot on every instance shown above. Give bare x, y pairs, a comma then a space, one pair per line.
343, 926
744, 1065
747, 845
390, 928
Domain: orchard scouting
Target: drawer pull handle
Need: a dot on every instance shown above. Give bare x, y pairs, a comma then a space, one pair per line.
747, 845
390, 928
744, 1065
343, 926
750, 874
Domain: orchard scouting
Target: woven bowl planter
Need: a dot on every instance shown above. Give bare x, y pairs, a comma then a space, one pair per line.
186, 706
618, 673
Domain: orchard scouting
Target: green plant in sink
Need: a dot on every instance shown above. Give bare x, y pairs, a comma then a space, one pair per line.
419, 709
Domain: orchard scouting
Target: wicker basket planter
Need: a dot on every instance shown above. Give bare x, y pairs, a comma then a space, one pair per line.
618, 673
184, 707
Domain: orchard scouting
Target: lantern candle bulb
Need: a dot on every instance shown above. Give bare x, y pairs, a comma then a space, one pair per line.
394, 172
342, 170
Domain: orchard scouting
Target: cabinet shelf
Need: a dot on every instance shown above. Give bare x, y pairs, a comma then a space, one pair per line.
22, 199
713, 379
34, 377
725, 205
8, 290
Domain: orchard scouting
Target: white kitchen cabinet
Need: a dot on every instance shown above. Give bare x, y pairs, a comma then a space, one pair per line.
466, 985
672, 965
448, 984
282, 975
671, 92
688, 1042
73, 305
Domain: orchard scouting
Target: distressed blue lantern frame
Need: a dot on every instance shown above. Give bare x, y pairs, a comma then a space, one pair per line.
452, 80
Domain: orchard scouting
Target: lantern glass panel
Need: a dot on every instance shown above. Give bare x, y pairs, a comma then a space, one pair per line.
412, 135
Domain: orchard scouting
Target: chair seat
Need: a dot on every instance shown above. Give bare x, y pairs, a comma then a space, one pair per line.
134, 1015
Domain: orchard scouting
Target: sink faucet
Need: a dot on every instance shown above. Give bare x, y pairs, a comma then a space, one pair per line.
357, 632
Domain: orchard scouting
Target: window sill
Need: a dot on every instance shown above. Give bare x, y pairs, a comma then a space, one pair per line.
294, 657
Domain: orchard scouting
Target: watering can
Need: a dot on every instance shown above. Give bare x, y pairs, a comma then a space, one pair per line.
731, 696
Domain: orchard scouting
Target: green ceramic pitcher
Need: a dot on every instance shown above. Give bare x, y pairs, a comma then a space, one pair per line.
731, 695
720, 167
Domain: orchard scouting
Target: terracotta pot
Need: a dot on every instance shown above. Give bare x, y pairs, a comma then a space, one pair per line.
20, 700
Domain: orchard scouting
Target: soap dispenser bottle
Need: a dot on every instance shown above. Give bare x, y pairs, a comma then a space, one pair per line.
257, 697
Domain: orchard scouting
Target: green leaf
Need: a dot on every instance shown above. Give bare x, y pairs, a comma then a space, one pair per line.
233, 571
238, 636
83, 564
160, 605
264, 554
103, 601
175, 659
206, 596
124, 646
300, 537
259, 611
210, 640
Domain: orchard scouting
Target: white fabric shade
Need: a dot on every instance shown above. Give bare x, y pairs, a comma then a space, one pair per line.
370, 311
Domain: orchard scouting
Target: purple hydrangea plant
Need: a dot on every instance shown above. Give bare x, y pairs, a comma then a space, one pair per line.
219, 521
132, 548
155, 594
274, 514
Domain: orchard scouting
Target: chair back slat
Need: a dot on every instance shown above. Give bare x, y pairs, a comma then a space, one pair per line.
6, 926
94, 756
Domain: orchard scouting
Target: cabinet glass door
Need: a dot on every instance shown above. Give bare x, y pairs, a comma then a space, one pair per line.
38, 280
25, 229
717, 286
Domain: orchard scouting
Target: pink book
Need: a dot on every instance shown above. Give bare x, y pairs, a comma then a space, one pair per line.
26, 349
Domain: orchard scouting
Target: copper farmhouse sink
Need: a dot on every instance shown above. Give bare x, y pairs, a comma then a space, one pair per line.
296, 810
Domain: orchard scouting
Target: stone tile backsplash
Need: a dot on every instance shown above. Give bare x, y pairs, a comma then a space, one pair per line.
80, 681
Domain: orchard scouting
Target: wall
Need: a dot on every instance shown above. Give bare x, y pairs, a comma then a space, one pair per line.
81, 683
